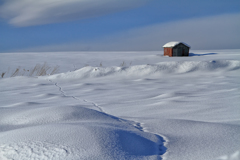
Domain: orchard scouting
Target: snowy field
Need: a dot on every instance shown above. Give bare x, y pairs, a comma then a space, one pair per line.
121, 105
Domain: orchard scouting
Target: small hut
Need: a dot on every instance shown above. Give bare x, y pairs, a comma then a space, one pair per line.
173, 49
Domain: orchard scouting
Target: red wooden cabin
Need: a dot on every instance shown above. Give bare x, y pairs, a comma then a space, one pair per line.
173, 49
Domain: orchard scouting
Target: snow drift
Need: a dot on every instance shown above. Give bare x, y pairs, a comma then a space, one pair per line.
159, 108
153, 69
38, 133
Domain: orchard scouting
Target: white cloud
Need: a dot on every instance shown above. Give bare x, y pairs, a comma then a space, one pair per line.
36, 12
217, 32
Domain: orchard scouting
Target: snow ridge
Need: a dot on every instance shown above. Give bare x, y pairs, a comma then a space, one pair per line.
162, 68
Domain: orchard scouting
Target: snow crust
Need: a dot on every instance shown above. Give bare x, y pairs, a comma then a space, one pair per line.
135, 105
174, 43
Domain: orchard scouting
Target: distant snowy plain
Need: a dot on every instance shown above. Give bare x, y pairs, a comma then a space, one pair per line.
121, 105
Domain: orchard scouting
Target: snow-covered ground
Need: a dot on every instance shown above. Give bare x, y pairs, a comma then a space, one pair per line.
121, 105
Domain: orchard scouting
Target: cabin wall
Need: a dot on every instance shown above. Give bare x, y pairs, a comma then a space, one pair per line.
180, 50
168, 52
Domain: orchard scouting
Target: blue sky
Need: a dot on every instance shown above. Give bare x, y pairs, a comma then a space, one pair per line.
117, 25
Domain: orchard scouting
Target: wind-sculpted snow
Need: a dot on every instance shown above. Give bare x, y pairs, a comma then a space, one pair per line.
162, 68
72, 132
151, 107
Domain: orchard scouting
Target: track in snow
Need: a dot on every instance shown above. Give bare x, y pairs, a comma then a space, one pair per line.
137, 125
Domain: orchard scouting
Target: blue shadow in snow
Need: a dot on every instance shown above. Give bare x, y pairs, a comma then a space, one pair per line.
205, 54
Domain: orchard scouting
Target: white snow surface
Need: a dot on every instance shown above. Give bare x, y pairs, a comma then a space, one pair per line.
174, 43
122, 105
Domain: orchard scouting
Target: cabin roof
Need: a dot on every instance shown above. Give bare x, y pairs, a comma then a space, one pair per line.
174, 43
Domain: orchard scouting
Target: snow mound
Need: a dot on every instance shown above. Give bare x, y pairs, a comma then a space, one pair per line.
161, 68
72, 132
43, 115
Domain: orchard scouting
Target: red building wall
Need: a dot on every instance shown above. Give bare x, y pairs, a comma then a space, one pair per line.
168, 52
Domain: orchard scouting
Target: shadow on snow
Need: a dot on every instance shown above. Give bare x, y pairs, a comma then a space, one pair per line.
205, 54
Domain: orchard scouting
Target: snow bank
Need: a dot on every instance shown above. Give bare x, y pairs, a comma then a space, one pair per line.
161, 68
71, 132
